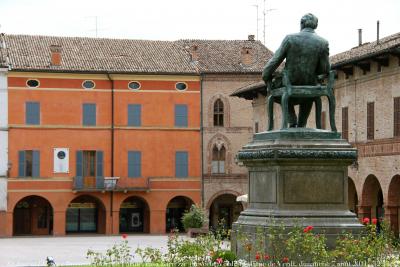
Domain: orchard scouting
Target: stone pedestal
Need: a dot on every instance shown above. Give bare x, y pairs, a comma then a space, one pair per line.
297, 176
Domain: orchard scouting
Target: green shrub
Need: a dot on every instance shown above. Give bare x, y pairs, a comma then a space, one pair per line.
194, 218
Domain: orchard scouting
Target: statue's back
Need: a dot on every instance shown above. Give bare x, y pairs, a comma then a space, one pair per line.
307, 57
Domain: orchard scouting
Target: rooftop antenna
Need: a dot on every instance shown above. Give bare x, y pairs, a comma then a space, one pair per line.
257, 21
95, 21
264, 14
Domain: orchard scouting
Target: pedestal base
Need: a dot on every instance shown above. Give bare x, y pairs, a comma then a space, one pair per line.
297, 177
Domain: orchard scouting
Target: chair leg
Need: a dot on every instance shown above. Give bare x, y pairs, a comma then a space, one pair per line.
318, 111
270, 113
332, 107
285, 110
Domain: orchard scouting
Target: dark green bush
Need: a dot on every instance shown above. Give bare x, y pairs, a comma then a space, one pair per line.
194, 218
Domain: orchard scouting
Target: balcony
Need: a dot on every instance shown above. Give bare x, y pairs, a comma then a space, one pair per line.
91, 184
125, 184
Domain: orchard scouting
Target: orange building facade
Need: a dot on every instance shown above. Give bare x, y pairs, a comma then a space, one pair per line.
100, 152
54, 195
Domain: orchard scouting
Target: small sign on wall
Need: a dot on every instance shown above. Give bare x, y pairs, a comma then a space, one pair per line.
61, 160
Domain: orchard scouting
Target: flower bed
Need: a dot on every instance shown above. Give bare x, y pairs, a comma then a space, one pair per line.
298, 247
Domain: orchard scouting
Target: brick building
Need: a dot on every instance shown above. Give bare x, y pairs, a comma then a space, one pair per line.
103, 135
106, 135
226, 121
367, 90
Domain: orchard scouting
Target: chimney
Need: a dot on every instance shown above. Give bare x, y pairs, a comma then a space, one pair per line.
377, 32
194, 52
251, 37
55, 55
246, 55
359, 37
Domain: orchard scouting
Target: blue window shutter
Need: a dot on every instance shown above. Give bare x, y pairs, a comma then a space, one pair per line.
32, 113
134, 115
134, 164
79, 163
21, 163
89, 114
79, 169
181, 115
99, 169
181, 164
35, 163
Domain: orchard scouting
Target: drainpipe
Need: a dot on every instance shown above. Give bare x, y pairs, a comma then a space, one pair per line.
202, 141
112, 148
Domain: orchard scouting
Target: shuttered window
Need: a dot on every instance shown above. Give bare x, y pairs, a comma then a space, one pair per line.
89, 166
181, 164
32, 113
218, 113
89, 114
370, 120
134, 115
181, 115
29, 163
218, 160
345, 123
396, 117
134, 164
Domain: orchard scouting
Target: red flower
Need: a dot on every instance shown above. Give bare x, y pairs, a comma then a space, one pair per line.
258, 257
366, 221
219, 260
374, 221
308, 229
266, 257
285, 260
124, 236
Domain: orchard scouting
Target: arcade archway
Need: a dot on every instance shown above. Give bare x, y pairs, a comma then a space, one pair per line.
134, 216
393, 206
175, 209
372, 199
85, 214
33, 215
224, 210
352, 196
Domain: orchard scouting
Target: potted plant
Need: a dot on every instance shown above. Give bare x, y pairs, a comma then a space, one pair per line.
193, 221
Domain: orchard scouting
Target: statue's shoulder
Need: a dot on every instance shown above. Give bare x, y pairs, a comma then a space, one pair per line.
321, 39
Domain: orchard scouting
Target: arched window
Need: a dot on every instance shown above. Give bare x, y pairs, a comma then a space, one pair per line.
218, 160
218, 113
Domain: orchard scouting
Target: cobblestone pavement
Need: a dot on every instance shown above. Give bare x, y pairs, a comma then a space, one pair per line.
69, 250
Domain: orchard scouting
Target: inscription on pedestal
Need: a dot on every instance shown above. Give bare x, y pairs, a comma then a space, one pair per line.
313, 187
263, 187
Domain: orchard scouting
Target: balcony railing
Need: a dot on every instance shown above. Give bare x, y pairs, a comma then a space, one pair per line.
88, 184
109, 184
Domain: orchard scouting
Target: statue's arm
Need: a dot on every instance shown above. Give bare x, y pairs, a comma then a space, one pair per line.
276, 60
324, 66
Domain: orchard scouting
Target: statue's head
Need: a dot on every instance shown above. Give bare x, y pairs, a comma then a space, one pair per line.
309, 21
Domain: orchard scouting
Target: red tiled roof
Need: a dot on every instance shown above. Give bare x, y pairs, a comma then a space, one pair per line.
216, 56
82, 54
367, 50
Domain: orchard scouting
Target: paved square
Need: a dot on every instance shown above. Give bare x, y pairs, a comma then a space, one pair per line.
69, 250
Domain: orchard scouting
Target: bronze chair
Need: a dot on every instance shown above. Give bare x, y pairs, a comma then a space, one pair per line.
283, 94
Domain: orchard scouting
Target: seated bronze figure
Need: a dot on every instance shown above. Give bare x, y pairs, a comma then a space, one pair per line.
307, 63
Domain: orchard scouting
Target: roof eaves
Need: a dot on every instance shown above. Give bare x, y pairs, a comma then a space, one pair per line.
364, 57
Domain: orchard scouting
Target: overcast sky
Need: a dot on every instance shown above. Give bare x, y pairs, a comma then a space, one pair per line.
200, 19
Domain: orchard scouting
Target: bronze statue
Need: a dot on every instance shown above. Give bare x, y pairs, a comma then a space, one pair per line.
307, 57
